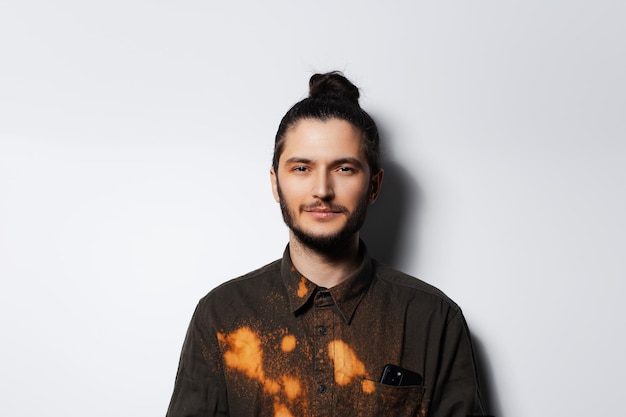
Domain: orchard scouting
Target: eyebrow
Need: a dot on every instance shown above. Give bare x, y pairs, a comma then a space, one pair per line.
298, 160
347, 160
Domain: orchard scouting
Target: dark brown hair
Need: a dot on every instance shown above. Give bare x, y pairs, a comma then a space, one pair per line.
332, 96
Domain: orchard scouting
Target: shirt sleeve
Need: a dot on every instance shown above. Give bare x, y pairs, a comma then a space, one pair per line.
200, 388
456, 392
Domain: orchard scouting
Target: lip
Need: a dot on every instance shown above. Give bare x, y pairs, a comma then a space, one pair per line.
323, 213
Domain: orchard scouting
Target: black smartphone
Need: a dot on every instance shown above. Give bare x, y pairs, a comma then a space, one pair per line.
400, 377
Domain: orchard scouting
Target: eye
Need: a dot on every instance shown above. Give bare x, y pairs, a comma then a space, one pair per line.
346, 170
299, 168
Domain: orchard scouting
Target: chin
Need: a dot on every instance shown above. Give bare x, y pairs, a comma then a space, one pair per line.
318, 233
329, 242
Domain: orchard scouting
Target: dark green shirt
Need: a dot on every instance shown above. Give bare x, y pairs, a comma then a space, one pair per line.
272, 343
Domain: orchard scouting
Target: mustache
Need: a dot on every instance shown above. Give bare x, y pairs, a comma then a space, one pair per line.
320, 205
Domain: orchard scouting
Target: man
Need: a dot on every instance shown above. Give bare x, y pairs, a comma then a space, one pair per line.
313, 333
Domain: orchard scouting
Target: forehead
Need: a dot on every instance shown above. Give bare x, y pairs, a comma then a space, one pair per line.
323, 140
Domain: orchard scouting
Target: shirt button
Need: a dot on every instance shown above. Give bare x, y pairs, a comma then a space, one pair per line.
321, 389
323, 331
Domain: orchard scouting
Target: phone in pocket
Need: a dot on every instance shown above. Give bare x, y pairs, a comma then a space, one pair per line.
399, 377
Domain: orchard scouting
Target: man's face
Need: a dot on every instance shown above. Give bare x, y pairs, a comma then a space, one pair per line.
323, 183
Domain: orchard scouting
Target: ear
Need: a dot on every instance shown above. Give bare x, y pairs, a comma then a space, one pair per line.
375, 185
274, 181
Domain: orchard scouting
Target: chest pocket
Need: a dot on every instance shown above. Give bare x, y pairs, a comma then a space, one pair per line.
390, 401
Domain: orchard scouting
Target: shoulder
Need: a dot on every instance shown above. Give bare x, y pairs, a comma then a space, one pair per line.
413, 289
255, 280
241, 296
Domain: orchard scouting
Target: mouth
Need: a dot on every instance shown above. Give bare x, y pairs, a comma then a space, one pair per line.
323, 215
324, 209
323, 212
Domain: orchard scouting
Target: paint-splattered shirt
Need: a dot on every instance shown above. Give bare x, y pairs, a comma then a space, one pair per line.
272, 343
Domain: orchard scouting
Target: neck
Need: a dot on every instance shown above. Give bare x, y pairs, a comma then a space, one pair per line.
325, 269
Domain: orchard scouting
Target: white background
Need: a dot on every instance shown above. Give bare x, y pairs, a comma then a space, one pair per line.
136, 138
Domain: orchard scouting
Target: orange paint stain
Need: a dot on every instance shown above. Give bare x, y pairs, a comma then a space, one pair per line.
302, 290
280, 410
245, 354
271, 386
368, 386
347, 364
288, 343
291, 387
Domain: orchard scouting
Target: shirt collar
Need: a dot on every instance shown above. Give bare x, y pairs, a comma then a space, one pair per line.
346, 295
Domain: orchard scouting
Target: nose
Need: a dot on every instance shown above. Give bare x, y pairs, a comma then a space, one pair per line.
322, 187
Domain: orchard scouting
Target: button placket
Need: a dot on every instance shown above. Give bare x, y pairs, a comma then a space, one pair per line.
324, 371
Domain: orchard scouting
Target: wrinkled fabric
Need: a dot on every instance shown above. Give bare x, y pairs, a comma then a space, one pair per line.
272, 343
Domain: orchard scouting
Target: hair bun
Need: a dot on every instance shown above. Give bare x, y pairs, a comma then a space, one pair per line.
333, 84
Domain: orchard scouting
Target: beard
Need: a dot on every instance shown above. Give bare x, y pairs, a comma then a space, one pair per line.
332, 242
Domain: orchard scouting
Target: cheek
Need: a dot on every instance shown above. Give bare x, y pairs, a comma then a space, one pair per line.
356, 190
292, 192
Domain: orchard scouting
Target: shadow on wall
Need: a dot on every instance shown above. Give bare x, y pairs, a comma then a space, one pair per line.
485, 374
391, 216
389, 233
